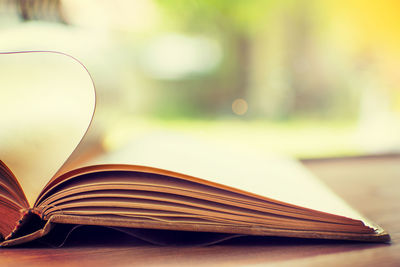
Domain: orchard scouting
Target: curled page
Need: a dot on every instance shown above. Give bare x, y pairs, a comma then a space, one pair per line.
47, 103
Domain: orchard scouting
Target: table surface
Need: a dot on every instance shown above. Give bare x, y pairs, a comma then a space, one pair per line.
370, 184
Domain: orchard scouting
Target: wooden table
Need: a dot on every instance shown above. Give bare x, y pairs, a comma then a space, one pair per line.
370, 184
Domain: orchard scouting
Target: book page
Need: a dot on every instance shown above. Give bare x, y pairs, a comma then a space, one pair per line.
271, 176
47, 102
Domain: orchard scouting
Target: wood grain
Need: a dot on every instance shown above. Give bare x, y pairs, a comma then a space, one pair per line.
371, 185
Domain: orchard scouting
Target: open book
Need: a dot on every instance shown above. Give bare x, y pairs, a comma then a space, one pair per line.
159, 181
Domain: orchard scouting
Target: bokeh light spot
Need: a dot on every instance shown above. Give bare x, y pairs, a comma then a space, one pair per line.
239, 106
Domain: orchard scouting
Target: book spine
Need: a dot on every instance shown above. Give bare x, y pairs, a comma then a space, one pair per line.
26, 216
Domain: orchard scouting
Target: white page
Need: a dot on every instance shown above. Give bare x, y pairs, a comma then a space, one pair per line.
47, 102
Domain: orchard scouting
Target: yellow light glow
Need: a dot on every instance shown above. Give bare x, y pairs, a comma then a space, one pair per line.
239, 106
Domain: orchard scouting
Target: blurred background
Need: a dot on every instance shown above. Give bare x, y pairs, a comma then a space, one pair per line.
304, 78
